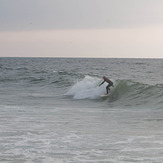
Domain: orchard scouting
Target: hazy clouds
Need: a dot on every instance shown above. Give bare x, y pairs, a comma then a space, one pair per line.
78, 14
81, 28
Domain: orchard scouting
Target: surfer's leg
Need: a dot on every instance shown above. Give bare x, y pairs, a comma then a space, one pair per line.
107, 89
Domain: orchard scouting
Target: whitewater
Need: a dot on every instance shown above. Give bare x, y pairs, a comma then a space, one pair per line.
52, 110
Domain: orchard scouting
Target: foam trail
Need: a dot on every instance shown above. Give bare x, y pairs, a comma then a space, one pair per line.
87, 88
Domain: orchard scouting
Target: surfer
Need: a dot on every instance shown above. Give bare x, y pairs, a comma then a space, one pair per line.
110, 83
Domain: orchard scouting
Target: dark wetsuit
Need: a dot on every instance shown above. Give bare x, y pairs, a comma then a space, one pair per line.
110, 83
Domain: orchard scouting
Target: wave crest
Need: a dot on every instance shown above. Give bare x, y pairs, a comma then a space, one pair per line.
125, 92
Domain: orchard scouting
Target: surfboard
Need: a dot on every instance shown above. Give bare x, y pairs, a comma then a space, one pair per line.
106, 95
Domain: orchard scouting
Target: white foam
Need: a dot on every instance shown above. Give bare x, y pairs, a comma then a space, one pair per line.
87, 88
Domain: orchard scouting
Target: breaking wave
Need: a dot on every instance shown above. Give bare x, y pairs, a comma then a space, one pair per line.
125, 92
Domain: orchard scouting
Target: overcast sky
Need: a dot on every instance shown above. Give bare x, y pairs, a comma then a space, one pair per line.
81, 28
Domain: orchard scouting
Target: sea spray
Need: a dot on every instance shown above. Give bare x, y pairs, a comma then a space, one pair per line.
124, 93
88, 88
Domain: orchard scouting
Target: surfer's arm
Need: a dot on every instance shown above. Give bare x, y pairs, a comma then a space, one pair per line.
102, 83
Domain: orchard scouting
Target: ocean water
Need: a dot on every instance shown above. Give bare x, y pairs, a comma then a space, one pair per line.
51, 110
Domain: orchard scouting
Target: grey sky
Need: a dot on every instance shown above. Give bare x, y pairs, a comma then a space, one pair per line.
78, 14
81, 28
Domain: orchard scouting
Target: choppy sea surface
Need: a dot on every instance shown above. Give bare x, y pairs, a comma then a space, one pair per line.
51, 110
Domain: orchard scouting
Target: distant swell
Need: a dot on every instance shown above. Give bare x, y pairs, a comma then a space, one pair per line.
125, 92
